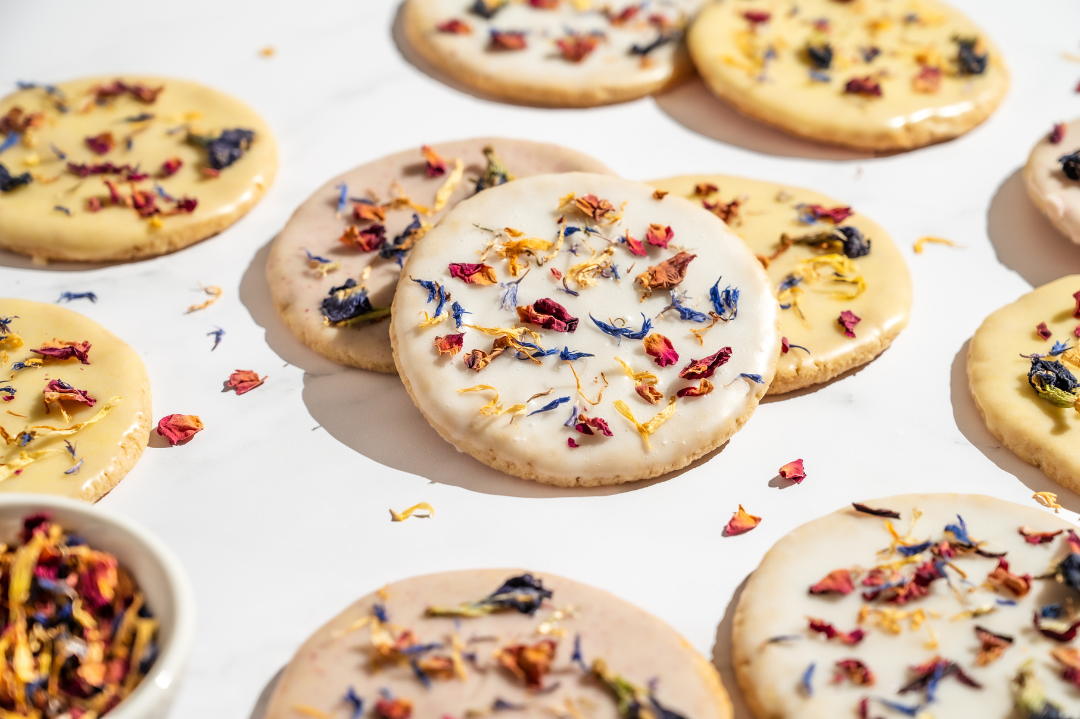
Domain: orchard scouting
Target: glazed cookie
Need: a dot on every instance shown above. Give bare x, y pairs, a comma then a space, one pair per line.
103, 168
1022, 367
922, 610
469, 643
74, 403
560, 53
360, 225
621, 335
1052, 176
824, 259
873, 75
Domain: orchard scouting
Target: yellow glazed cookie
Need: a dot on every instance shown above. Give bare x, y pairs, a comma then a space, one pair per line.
561, 53
328, 229
817, 347
470, 643
581, 330
75, 413
872, 74
107, 168
1052, 176
1028, 402
924, 610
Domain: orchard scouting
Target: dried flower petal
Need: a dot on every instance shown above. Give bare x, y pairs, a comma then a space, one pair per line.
449, 344
661, 350
101, 144
659, 235
666, 275
403, 515
454, 26
818, 213
856, 671
1032, 537
704, 387
793, 471
586, 425
436, 165
741, 523
473, 273
848, 320
571, 443
875, 512
575, 47
634, 245
850, 638
368, 239
706, 366
866, 86
838, 581
928, 80
244, 380
1002, 578
1058, 133
649, 393
993, 645
64, 350
549, 314
179, 428
1043, 331
507, 40
528, 663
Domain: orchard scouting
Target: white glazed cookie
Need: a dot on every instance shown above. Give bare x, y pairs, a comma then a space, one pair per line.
299, 285
492, 639
1044, 432
106, 168
563, 53
579, 247
932, 620
872, 74
1052, 176
826, 236
69, 426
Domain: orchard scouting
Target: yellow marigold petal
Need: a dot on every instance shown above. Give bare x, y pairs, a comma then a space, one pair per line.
1047, 499
921, 243
652, 425
402, 516
451, 184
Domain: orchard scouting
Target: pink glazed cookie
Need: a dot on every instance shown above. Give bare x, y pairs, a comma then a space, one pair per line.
353, 233
470, 643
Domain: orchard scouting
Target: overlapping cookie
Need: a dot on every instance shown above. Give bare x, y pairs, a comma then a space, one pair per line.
873, 74
74, 403
579, 329
1052, 176
334, 268
843, 285
474, 643
565, 53
105, 168
1022, 369
933, 605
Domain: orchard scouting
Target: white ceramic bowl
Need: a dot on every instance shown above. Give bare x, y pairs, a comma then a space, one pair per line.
154, 567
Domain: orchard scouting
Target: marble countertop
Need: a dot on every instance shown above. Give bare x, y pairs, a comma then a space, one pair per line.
279, 509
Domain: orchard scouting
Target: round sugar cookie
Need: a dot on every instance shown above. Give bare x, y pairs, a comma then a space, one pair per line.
299, 284
1052, 176
873, 75
527, 304
935, 623
556, 53
103, 168
74, 403
818, 348
1039, 431
468, 643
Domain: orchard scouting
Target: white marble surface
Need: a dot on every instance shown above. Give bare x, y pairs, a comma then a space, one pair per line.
279, 508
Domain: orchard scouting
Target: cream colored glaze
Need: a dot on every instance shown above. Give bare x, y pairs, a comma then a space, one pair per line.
1052, 192
1038, 432
632, 642
298, 290
538, 74
112, 445
776, 603
727, 51
28, 222
536, 447
768, 210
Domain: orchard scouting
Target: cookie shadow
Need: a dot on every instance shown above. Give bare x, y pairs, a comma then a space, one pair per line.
722, 658
695, 108
818, 387
1024, 240
262, 704
373, 414
23, 262
972, 426
416, 60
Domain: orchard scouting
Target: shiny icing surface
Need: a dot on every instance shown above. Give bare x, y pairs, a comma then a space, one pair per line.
109, 447
539, 73
1040, 433
536, 447
29, 224
776, 603
1054, 193
298, 289
633, 643
763, 68
768, 210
